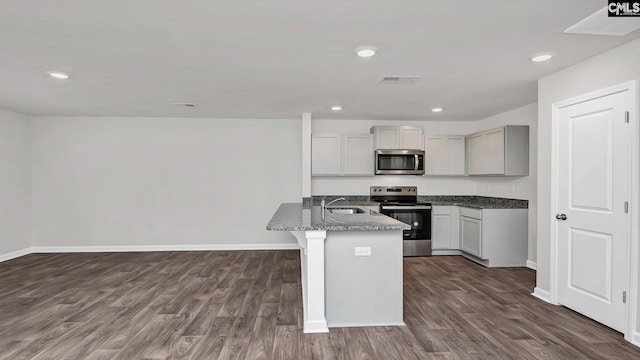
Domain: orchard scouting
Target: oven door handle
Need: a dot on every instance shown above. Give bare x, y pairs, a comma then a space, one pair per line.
417, 207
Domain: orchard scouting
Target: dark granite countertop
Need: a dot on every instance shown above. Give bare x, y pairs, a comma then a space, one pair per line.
471, 201
298, 217
476, 202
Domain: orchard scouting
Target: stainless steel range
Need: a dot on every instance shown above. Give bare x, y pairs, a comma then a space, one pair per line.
401, 203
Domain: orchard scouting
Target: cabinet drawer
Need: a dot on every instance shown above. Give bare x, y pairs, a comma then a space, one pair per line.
441, 210
472, 213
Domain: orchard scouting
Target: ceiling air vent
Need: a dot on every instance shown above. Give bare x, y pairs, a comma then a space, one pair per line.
600, 24
181, 104
399, 79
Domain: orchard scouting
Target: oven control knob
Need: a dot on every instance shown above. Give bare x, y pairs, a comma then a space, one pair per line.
416, 223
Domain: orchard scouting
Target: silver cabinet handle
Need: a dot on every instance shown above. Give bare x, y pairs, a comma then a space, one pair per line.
561, 216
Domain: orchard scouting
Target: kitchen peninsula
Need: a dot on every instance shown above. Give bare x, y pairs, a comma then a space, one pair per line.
351, 264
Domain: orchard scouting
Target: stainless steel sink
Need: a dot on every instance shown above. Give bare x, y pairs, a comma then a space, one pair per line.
345, 210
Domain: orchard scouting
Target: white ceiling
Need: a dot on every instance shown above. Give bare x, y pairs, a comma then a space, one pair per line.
279, 58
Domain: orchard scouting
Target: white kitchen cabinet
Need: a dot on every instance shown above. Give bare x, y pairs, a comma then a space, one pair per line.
398, 137
441, 227
410, 137
494, 237
358, 155
342, 155
499, 151
444, 155
445, 225
326, 155
386, 137
471, 235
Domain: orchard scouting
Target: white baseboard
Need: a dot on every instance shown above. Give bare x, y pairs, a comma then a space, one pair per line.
15, 254
147, 248
532, 265
393, 323
542, 295
446, 252
635, 338
315, 327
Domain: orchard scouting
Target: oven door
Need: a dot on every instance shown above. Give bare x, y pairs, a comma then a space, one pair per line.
399, 162
417, 241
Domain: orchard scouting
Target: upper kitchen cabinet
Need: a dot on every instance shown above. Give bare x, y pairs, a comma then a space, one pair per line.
342, 155
500, 151
444, 155
358, 155
398, 137
326, 155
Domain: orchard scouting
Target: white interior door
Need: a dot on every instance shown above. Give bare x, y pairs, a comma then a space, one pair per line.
593, 185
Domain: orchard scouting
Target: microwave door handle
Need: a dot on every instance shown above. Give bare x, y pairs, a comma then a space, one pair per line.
415, 167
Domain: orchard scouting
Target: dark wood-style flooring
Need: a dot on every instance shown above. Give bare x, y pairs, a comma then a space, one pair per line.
247, 305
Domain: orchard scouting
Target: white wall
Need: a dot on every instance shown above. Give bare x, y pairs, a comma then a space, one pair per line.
15, 183
610, 68
520, 187
162, 181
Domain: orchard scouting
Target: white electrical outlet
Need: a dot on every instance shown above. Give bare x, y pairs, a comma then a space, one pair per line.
363, 250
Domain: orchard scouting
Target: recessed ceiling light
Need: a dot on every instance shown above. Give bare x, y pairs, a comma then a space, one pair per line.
366, 51
542, 57
437, 109
58, 74
336, 108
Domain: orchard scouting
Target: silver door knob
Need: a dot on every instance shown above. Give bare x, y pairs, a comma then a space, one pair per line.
561, 216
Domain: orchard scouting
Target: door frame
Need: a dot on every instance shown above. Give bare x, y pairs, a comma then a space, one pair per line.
631, 321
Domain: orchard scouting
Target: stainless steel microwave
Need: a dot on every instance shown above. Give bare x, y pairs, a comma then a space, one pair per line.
399, 162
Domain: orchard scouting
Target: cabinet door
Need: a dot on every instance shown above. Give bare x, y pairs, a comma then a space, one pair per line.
435, 155
471, 235
326, 155
455, 227
358, 155
494, 147
455, 155
477, 154
410, 138
386, 138
441, 228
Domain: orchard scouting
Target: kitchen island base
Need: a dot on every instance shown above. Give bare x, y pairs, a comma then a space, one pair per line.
363, 290
341, 287
351, 265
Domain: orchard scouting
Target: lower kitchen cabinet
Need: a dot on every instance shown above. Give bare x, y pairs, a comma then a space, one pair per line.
471, 235
494, 237
491, 237
444, 228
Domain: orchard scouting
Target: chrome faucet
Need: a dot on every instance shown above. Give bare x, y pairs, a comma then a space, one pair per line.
324, 206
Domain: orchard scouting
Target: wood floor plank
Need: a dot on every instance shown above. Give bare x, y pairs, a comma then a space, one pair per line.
285, 343
248, 305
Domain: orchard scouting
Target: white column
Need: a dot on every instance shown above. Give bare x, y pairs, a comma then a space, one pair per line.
306, 154
315, 318
312, 271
